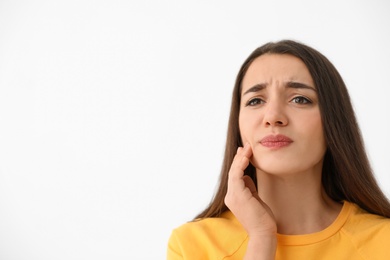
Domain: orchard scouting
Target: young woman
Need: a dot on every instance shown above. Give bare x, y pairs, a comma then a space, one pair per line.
296, 182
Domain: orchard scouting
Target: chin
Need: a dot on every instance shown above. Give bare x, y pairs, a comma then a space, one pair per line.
286, 167
276, 171
272, 167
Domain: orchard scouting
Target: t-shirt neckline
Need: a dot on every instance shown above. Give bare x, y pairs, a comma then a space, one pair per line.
338, 223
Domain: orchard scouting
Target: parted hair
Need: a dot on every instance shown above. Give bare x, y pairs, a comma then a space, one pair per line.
346, 172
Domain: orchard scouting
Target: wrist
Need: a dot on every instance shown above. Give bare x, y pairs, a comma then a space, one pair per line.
261, 247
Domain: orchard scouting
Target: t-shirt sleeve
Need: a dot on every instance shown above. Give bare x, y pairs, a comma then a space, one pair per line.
174, 251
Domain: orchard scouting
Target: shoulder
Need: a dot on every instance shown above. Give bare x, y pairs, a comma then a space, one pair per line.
369, 233
361, 222
210, 238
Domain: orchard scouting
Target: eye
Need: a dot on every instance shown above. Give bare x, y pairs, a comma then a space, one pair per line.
301, 100
254, 102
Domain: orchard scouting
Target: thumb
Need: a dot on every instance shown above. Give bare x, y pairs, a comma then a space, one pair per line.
249, 184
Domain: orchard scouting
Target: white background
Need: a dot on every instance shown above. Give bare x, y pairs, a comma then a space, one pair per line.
113, 113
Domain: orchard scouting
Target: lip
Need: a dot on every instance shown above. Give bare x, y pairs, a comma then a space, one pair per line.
276, 141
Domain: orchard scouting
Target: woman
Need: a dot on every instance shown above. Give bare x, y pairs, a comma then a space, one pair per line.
296, 182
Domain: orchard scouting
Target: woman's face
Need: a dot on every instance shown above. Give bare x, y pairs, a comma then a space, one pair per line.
280, 116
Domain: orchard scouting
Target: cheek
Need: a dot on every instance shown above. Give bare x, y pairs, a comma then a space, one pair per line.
242, 125
314, 131
247, 126
317, 128
242, 128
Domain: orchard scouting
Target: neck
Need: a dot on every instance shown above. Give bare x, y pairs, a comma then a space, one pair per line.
299, 203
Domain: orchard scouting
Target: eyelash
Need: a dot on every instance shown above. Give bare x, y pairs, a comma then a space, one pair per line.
250, 102
303, 101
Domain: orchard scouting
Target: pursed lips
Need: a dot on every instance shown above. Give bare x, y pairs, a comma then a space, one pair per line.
276, 141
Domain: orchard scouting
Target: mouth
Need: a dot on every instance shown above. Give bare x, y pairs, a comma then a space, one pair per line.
275, 141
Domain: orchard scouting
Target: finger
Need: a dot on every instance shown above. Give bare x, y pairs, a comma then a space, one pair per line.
247, 150
250, 184
240, 162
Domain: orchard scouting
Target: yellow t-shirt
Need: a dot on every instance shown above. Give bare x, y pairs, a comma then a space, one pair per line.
355, 234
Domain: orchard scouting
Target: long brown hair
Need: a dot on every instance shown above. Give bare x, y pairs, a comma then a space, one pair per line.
346, 173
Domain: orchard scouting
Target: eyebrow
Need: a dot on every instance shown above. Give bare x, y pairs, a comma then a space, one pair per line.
292, 84
289, 84
255, 88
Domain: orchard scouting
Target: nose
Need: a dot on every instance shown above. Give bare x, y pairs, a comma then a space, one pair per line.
275, 114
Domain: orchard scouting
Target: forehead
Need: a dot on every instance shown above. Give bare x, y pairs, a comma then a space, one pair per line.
276, 68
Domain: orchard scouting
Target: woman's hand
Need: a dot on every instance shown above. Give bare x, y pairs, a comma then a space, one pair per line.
244, 202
